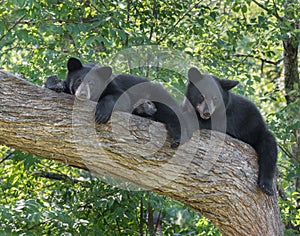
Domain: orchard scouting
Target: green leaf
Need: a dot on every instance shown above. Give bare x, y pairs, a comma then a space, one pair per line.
244, 8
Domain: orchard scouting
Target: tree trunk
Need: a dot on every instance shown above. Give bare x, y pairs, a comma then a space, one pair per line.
213, 173
291, 75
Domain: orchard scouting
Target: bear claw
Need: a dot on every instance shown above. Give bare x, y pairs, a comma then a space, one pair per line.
266, 188
102, 119
175, 144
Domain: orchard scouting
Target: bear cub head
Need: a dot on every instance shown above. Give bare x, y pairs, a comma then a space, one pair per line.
207, 94
86, 81
144, 108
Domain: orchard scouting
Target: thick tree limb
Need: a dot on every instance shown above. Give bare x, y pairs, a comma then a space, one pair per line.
213, 173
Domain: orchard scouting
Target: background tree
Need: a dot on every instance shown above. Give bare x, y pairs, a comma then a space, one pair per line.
255, 42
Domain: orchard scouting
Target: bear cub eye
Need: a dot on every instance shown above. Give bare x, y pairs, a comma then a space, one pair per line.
202, 98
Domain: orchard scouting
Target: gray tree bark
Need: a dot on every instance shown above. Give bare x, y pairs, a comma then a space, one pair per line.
213, 173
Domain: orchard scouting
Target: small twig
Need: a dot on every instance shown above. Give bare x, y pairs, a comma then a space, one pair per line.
53, 20
262, 68
7, 156
154, 12
157, 221
102, 4
268, 10
100, 12
127, 21
56, 176
13, 26
41, 223
261, 5
141, 217
178, 21
289, 154
276, 12
150, 220
281, 193
258, 58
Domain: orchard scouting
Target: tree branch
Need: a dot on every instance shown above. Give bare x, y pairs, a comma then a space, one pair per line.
263, 60
8, 155
275, 13
177, 22
213, 174
56, 176
11, 27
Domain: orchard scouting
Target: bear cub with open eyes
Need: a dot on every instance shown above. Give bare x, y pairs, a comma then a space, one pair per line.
219, 109
125, 92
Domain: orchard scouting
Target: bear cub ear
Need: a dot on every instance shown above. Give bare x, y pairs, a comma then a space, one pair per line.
228, 84
194, 74
104, 72
74, 64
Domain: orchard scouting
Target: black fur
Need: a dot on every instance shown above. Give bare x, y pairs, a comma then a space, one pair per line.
106, 89
214, 104
55, 84
144, 108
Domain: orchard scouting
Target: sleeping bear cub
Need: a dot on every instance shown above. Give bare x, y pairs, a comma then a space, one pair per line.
219, 109
123, 92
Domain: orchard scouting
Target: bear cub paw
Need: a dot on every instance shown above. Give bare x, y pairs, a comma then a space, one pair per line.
266, 186
175, 143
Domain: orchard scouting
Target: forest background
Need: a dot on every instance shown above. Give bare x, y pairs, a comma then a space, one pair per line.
254, 42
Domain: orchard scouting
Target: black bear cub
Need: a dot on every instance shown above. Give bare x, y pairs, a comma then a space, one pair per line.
144, 108
124, 92
219, 109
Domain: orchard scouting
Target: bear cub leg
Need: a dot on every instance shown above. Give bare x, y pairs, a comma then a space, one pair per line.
267, 153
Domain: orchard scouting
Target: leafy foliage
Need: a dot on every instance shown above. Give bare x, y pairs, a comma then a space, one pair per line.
34, 205
232, 39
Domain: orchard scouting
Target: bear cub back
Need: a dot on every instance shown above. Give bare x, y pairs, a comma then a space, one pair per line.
219, 109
